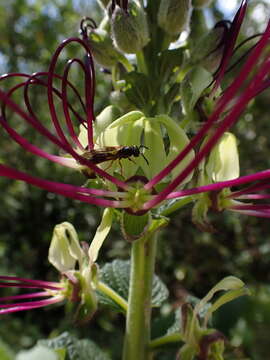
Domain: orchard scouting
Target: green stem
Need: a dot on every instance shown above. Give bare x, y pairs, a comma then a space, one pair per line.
137, 337
105, 289
164, 340
177, 205
142, 67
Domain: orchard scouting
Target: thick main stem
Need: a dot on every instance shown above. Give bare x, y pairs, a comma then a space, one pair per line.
137, 337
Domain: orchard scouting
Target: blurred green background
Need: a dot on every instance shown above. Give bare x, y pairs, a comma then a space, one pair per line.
188, 260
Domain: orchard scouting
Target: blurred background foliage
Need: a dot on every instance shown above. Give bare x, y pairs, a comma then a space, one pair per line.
30, 31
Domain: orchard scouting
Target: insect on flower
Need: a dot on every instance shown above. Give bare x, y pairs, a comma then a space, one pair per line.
107, 153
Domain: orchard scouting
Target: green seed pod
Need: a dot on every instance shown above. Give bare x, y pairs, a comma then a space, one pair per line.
201, 3
208, 50
174, 15
103, 49
129, 28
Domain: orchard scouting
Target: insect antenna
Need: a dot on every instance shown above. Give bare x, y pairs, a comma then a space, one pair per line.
144, 147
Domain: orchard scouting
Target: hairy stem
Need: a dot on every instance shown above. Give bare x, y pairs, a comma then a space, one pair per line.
137, 337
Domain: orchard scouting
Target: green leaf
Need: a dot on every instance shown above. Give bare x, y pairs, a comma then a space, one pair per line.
176, 326
38, 352
117, 274
76, 349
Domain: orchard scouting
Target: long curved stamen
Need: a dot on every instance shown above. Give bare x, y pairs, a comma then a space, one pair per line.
230, 43
89, 96
38, 283
63, 146
65, 102
74, 192
223, 102
263, 175
31, 305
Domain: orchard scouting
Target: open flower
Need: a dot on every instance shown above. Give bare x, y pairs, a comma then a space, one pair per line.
76, 280
167, 179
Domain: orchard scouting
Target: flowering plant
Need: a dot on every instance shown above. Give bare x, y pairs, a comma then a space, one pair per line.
138, 159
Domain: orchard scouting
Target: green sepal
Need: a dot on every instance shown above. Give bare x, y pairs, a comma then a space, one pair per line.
88, 298
133, 226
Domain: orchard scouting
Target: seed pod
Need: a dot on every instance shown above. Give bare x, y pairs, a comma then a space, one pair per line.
174, 15
129, 28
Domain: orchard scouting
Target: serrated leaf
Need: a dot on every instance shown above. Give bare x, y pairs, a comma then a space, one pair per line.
117, 274
176, 326
76, 349
38, 352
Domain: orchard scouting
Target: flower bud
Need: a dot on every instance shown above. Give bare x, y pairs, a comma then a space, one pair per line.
174, 15
208, 50
103, 49
129, 28
201, 3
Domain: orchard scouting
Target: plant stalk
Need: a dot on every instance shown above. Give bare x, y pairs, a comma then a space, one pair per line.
138, 322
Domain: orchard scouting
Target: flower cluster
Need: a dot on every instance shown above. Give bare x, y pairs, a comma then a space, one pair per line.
174, 170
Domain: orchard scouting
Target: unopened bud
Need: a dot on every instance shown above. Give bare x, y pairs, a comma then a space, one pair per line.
129, 28
201, 3
174, 15
208, 50
103, 49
